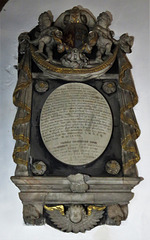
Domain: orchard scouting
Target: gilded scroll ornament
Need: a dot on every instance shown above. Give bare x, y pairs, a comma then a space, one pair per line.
59, 208
90, 208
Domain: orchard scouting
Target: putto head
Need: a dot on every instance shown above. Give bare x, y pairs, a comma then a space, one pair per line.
105, 16
45, 19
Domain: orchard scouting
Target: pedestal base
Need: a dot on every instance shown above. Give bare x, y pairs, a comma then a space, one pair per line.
103, 200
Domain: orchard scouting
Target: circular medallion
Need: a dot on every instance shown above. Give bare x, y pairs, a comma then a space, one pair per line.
112, 167
41, 86
39, 168
109, 87
76, 123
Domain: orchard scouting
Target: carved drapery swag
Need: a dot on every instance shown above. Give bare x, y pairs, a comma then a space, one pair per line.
129, 127
22, 100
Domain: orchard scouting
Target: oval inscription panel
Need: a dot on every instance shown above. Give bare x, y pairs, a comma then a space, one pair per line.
76, 123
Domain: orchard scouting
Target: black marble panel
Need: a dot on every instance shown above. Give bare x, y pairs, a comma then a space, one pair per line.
54, 166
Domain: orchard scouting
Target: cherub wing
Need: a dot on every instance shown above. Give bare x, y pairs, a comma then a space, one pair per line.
91, 220
64, 223
60, 220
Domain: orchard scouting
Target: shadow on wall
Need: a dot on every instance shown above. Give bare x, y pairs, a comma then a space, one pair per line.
2, 3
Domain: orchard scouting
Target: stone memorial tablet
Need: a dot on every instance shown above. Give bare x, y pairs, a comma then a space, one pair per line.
75, 127
76, 123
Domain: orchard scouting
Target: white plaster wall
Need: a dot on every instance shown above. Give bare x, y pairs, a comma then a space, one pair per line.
130, 16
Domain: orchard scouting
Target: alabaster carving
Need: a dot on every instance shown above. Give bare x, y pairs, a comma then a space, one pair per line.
76, 219
75, 127
74, 59
101, 36
38, 168
33, 214
117, 213
78, 183
48, 36
113, 167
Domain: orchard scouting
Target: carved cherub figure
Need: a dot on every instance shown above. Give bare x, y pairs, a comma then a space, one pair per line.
103, 38
48, 36
104, 35
75, 219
